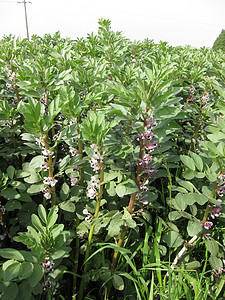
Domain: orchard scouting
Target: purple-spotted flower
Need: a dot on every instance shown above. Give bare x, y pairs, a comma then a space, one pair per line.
93, 188
73, 180
50, 181
47, 153
207, 224
45, 166
73, 151
96, 159
47, 193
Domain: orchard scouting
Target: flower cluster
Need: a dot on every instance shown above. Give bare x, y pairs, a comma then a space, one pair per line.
47, 193
2, 212
221, 187
215, 210
47, 265
48, 283
149, 145
205, 97
93, 188
73, 180
89, 216
96, 159
44, 99
191, 93
207, 225
12, 77
73, 151
50, 181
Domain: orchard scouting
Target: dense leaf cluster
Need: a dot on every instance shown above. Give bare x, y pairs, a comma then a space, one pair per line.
112, 169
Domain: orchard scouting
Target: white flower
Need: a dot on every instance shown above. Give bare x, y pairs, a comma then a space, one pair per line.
92, 193
74, 180
50, 181
73, 151
47, 153
47, 193
45, 166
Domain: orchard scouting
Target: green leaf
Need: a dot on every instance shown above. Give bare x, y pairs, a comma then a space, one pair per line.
193, 228
10, 193
37, 275
215, 262
12, 271
198, 161
35, 188
36, 162
212, 246
52, 217
18, 185
179, 203
67, 206
42, 213
192, 265
120, 190
114, 227
25, 290
118, 282
188, 162
37, 223
186, 184
12, 205
173, 239
10, 292
10, 253
26, 269
191, 198
11, 171
64, 192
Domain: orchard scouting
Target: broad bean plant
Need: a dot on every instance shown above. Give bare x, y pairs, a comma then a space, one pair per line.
112, 170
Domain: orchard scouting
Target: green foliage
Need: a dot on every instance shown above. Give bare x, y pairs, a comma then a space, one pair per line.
219, 43
111, 170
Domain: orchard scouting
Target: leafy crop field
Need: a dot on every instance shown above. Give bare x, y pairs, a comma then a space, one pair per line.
112, 169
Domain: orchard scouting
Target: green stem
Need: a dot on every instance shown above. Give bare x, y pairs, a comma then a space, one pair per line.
91, 232
130, 210
76, 261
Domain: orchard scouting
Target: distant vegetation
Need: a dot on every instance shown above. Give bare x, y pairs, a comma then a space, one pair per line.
219, 43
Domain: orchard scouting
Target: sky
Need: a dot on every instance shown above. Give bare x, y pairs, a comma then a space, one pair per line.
178, 22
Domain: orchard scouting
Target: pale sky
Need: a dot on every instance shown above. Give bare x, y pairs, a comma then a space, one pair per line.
178, 22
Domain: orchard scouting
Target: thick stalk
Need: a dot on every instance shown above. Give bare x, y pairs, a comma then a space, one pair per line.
130, 210
91, 232
77, 249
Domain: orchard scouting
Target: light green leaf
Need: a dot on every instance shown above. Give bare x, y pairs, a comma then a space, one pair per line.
198, 161
120, 190
193, 228
188, 162
10, 253
173, 239
37, 223
42, 213
26, 269
118, 282
12, 271
36, 162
